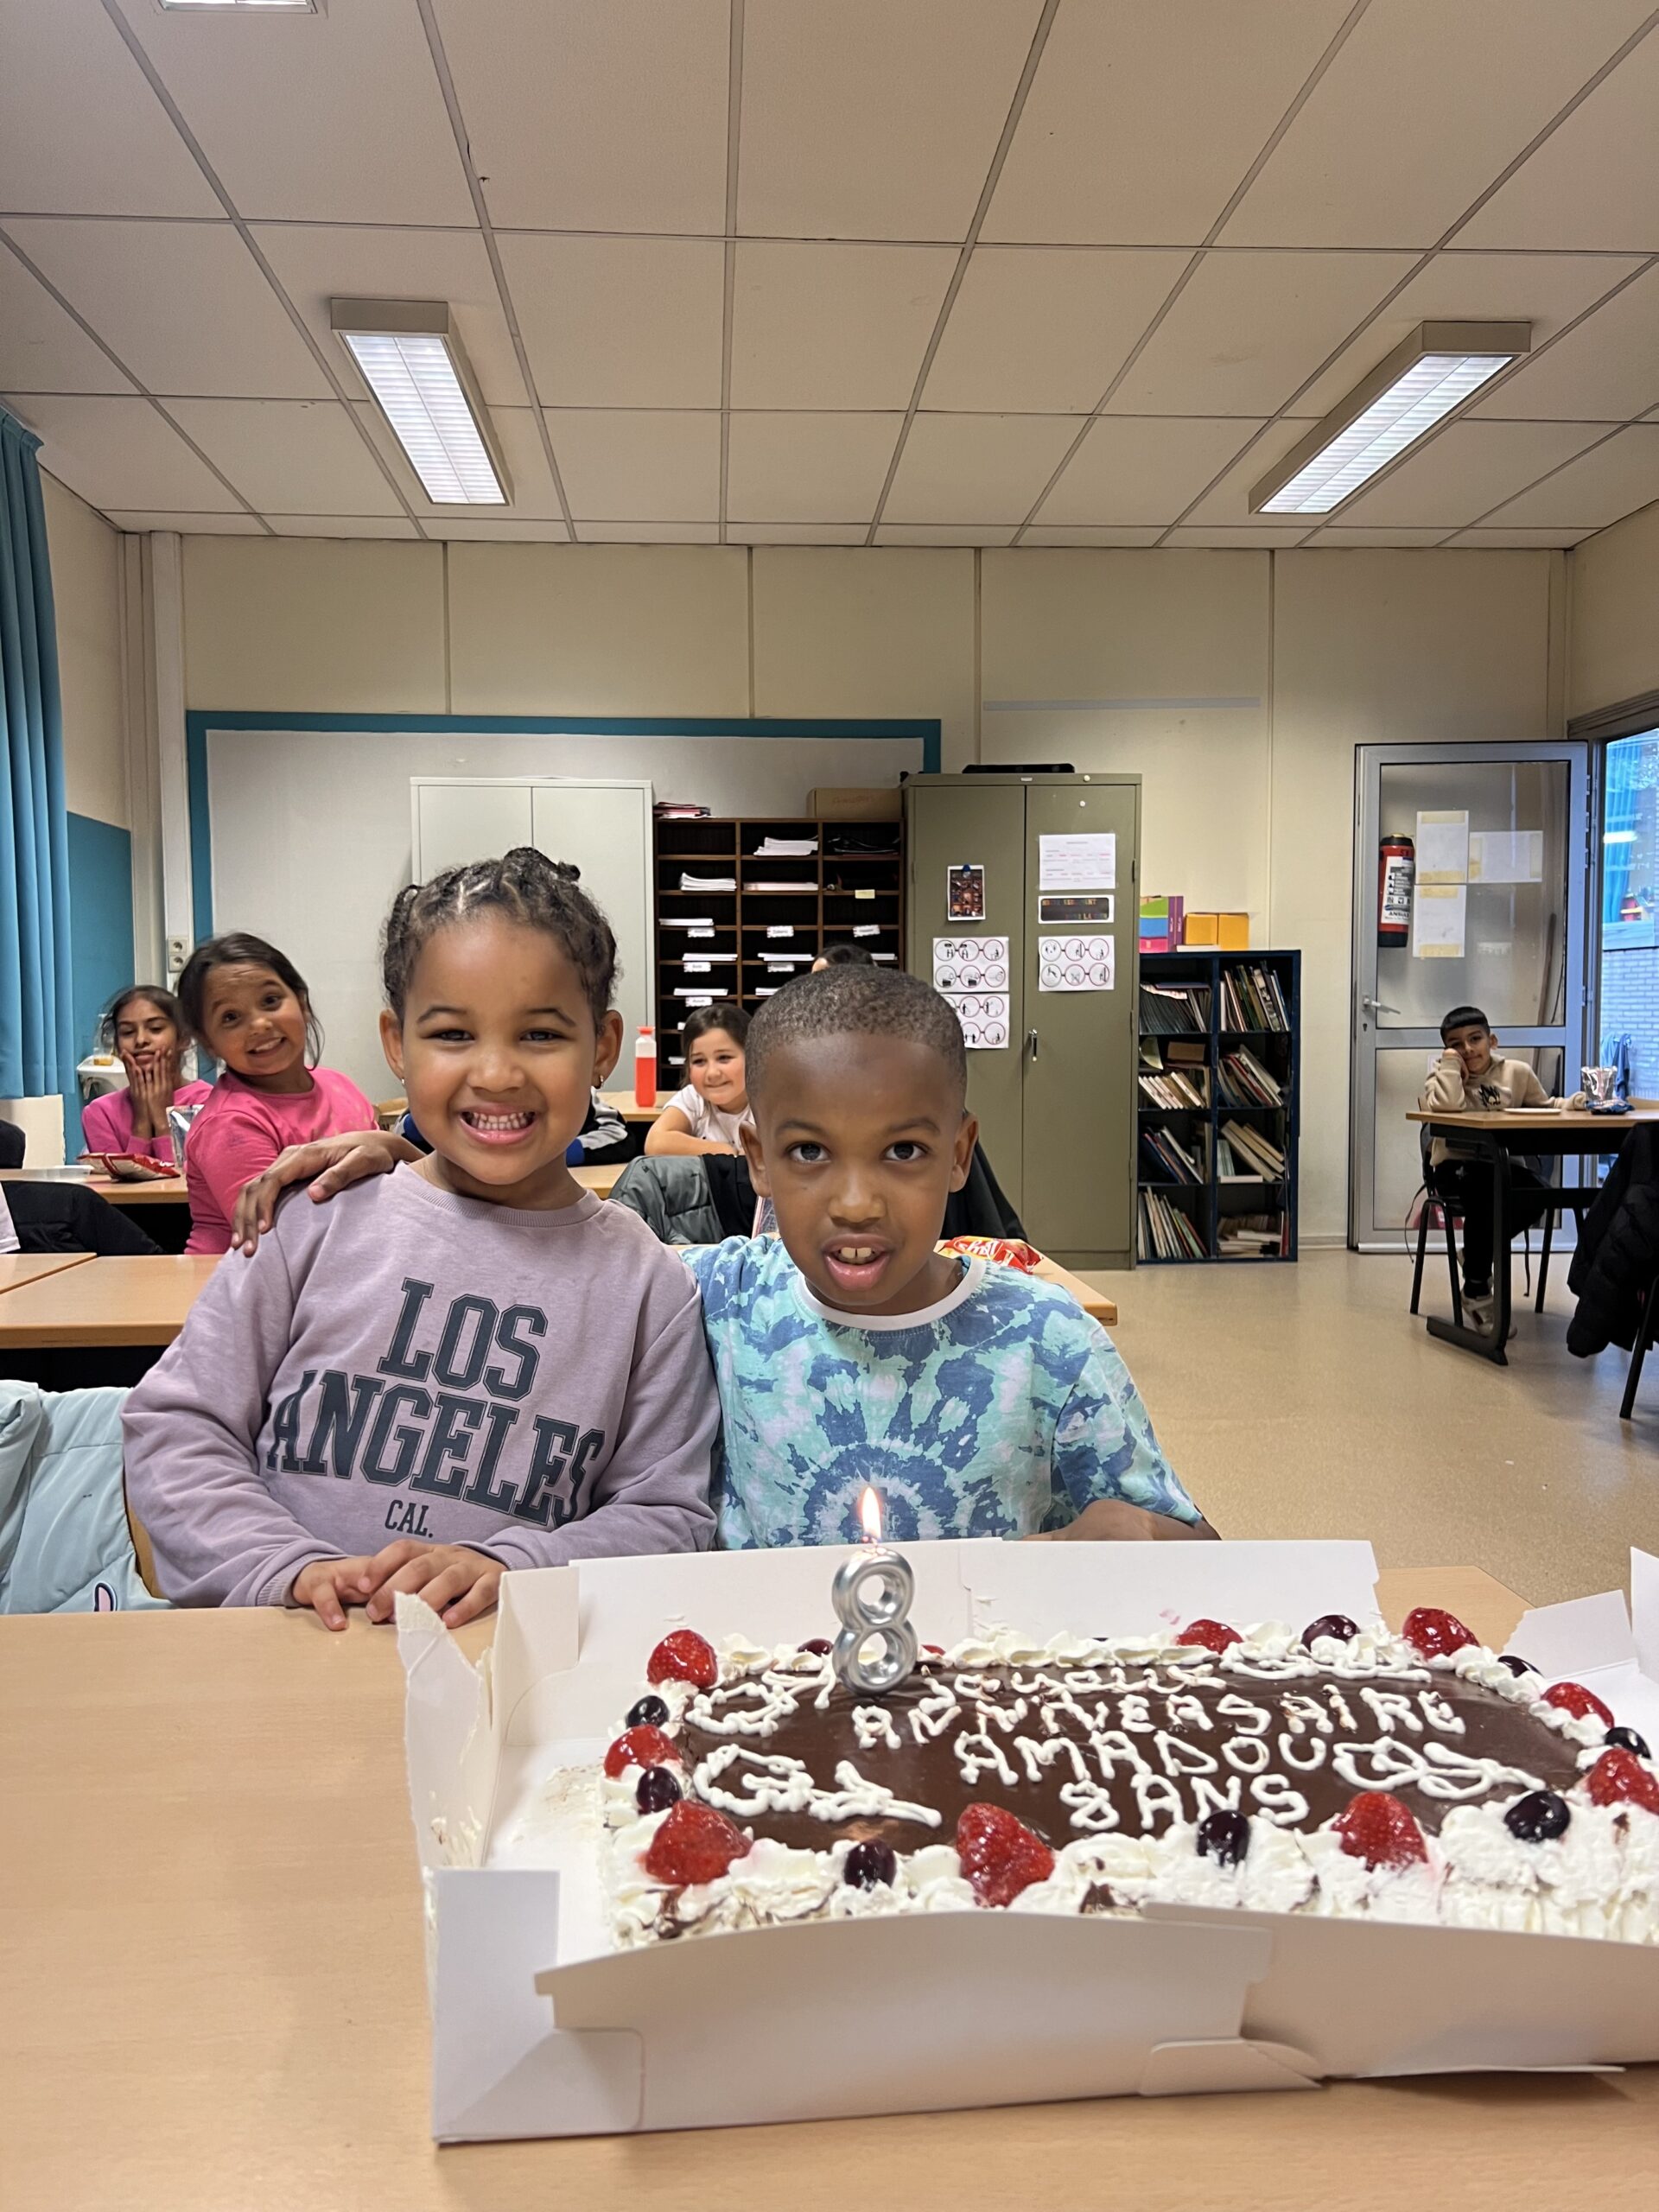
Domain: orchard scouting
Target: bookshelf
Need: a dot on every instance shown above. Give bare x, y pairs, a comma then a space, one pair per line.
778, 914
1217, 1108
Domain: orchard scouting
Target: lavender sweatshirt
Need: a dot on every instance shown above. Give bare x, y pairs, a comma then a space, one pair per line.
403, 1362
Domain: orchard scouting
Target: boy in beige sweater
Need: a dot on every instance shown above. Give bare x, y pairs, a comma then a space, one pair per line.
1470, 1077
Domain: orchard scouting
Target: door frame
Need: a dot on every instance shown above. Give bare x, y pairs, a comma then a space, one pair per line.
1573, 1027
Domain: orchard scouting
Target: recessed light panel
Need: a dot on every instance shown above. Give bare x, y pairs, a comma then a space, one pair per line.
408, 354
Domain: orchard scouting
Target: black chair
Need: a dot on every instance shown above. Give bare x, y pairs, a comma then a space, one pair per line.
13, 1144
1577, 1202
1647, 1314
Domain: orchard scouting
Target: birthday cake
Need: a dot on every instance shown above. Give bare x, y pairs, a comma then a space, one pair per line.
1343, 1771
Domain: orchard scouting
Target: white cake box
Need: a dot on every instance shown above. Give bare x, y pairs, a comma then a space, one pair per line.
540, 2028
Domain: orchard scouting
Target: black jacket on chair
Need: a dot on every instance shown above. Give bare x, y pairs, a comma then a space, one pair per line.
1619, 1249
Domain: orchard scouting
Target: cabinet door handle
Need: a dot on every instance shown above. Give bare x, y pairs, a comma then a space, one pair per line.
1031, 1042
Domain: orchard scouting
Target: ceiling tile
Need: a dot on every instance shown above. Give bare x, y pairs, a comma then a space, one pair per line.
976, 468
1055, 534
1613, 479
1423, 107
1548, 290
619, 322
1542, 538
341, 526
1337, 538
1249, 329
792, 468
594, 118
1246, 538
1144, 117
334, 117
120, 453
834, 326
638, 466
1457, 476
944, 533
235, 525
868, 121
482, 529
649, 533
1143, 468
288, 456
797, 533
79, 131
315, 263
1606, 370
1038, 329
42, 348
183, 304
533, 499
1594, 181
1227, 499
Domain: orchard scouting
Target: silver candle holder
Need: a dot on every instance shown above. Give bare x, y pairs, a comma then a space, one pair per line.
873, 1593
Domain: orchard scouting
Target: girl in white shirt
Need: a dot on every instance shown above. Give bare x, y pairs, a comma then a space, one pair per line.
707, 1114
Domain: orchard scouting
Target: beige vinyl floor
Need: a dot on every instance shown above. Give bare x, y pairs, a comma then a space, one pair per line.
1305, 1400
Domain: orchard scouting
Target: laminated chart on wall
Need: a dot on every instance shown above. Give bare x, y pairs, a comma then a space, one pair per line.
1076, 964
970, 963
984, 1018
1078, 860
1438, 920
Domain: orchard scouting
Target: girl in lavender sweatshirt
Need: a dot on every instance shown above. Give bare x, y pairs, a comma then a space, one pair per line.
469, 1364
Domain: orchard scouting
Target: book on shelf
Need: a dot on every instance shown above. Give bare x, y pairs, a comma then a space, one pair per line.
1166, 1009
1188, 1052
1252, 1235
1251, 999
1175, 1089
1169, 1161
1253, 1153
1164, 1232
1244, 1081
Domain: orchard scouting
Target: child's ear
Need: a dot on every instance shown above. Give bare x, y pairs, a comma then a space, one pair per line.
749, 1137
607, 1048
392, 1041
963, 1152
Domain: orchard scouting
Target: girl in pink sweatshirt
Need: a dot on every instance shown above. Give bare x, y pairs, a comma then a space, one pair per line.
249, 1007
468, 1364
145, 1029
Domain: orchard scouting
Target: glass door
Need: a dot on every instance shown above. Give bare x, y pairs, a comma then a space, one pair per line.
1497, 838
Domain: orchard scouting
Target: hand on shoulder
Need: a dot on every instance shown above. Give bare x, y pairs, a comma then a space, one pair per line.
328, 1164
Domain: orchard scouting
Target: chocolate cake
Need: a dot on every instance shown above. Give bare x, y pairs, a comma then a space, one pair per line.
1342, 1770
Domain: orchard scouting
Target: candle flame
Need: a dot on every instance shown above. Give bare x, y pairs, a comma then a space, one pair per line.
869, 1514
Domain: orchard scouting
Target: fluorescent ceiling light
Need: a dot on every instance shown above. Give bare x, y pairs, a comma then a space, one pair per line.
1437, 368
410, 356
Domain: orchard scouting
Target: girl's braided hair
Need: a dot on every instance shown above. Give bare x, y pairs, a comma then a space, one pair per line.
524, 886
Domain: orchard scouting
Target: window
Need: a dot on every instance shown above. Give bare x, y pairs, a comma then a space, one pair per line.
1630, 908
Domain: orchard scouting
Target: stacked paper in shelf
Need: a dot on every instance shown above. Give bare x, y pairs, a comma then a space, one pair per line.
686, 921
786, 848
708, 883
1249, 1236
803, 884
1176, 1089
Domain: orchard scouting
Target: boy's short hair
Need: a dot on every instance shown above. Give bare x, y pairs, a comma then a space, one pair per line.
1463, 1017
855, 1003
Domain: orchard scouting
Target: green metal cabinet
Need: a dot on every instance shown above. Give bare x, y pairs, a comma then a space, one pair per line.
1056, 1105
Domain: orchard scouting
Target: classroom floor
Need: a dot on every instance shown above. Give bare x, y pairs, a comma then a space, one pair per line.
1305, 1400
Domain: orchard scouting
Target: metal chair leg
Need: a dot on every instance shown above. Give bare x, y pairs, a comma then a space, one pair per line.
1639, 1349
1452, 1268
1422, 1249
1543, 1260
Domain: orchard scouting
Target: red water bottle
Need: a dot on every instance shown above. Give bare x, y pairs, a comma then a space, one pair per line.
645, 1068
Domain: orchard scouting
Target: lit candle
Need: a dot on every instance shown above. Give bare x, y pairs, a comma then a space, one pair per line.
872, 1592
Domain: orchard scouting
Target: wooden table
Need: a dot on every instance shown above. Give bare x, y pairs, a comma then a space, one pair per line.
17, 1269
104, 1302
1095, 1303
622, 1102
599, 1178
1492, 1138
210, 1913
155, 1191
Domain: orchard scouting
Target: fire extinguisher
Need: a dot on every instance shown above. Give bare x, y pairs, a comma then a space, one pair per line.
1396, 867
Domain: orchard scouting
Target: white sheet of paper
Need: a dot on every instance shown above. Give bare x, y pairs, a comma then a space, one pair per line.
1076, 964
867, 929
970, 963
984, 1018
1437, 912
780, 929
1443, 845
1086, 860
1506, 857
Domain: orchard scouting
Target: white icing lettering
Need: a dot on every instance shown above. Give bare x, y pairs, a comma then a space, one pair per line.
976, 1754
1247, 1754
1304, 1713
1307, 1757
1180, 1758
1157, 1798
1208, 1798
1255, 1718
1113, 1749
873, 1724
1134, 1711
1439, 1713
1285, 1806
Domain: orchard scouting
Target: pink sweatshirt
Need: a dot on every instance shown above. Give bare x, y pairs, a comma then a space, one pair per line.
403, 1362
240, 1131
106, 1123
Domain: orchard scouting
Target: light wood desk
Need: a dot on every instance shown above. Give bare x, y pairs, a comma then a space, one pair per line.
155, 1191
622, 1101
214, 1993
1095, 1303
104, 1302
19, 1268
599, 1180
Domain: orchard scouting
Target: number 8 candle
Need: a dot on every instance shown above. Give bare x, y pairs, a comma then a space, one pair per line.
872, 1592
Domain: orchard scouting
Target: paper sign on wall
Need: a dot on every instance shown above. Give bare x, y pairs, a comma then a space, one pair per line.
970, 963
1443, 845
1437, 921
1076, 964
1085, 861
984, 1018
1506, 857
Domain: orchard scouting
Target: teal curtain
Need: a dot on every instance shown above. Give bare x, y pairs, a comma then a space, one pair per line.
37, 1052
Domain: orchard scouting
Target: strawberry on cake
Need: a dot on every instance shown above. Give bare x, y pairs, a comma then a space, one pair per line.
1343, 1770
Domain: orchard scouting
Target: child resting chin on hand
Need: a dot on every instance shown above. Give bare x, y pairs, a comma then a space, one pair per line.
468, 1365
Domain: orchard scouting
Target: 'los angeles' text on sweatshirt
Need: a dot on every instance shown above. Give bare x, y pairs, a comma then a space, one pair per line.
403, 1362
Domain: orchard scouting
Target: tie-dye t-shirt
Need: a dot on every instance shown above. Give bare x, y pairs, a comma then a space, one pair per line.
1002, 1410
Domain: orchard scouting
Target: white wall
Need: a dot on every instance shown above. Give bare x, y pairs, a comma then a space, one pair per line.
86, 588
1613, 648
1247, 804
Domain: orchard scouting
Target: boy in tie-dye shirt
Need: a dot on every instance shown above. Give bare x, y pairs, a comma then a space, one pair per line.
849, 1350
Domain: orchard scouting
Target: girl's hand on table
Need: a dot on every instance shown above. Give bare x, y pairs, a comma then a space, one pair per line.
335, 1163
328, 1586
458, 1583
